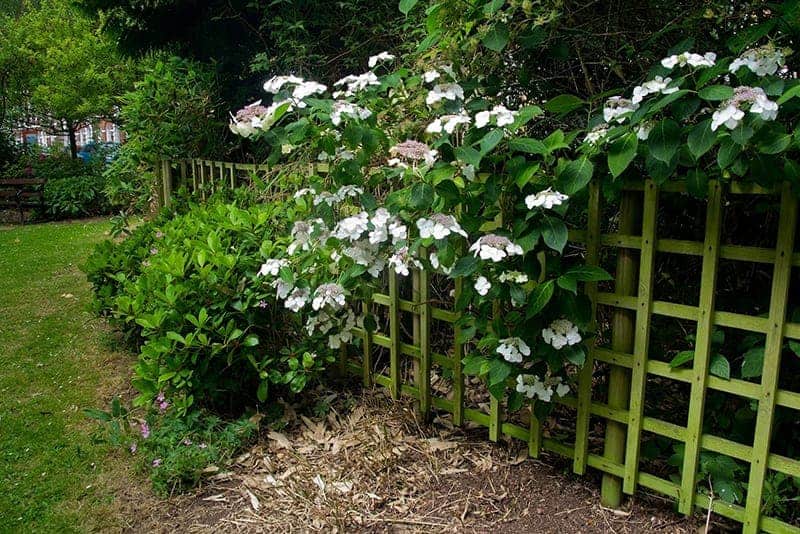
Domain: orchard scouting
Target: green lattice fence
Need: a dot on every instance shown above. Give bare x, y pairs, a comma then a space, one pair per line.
417, 352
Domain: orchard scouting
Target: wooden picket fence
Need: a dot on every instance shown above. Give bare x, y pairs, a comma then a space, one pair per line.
625, 363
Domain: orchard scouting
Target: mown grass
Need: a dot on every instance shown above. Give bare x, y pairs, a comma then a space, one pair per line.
55, 360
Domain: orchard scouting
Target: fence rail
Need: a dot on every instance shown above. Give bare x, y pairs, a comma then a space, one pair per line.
624, 364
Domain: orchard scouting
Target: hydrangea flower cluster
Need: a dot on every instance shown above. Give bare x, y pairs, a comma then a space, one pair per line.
763, 61
546, 199
561, 333
513, 349
495, 247
730, 113
689, 58
532, 386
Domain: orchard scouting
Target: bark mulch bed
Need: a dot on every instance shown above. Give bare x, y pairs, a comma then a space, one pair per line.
369, 466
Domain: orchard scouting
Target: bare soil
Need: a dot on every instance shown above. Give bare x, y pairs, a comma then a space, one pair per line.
368, 465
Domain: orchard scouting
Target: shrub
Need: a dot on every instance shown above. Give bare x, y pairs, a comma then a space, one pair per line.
207, 336
75, 196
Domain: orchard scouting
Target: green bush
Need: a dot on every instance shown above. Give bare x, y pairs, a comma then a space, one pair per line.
75, 196
184, 289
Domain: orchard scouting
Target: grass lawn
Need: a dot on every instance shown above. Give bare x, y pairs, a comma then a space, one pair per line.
56, 359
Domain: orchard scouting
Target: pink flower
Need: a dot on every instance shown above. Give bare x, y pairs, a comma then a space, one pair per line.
133, 448
145, 429
156, 462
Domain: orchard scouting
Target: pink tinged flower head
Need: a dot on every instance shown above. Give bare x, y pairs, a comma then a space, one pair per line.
144, 428
414, 151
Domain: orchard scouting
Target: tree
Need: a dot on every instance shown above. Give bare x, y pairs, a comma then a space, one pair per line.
72, 74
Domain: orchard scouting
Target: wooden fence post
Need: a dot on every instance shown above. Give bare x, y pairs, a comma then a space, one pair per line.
622, 327
166, 181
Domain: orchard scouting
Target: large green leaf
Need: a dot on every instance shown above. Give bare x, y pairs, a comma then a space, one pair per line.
664, 140
421, 196
539, 297
490, 140
575, 175
716, 92
563, 104
697, 183
701, 138
753, 363
497, 38
529, 145
621, 153
554, 233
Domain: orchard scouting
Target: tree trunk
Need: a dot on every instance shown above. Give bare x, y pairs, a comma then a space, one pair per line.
73, 142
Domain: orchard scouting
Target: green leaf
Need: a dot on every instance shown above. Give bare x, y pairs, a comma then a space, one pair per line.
563, 104
490, 140
681, 358
498, 371
421, 196
790, 93
775, 144
465, 266
497, 38
554, 233
716, 92
720, 366
528, 145
587, 273
701, 138
664, 140
575, 175
493, 6
728, 152
474, 364
697, 183
467, 154
753, 363
539, 297
568, 283
407, 5
621, 153
251, 340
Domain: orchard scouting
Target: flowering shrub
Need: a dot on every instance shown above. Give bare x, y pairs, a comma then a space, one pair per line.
453, 191
459, 190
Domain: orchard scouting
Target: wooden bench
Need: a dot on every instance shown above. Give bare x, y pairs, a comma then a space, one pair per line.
22, 193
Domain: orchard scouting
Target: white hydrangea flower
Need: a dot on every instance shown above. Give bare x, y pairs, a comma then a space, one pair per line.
532, 386
356, 83
297, 299
561, 333
380, 58
274, 84
444, 91
502, 116
345, 333
561, 388
282, 289
690, 58
342, 108
255, 117
514, 276
327, 197
643, 130
513, 349
448, 123
495, 247
349, 191
301, 235
656, 85
361, 252
401, 261
436, 264
430, 75
352, 227
303, 192
617, 107
398, 231
763, 61
439, 226
272, 267
545, 199
597, 135
482, 286
306, 89
328, 295
396, 162
321, 322
730, 115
